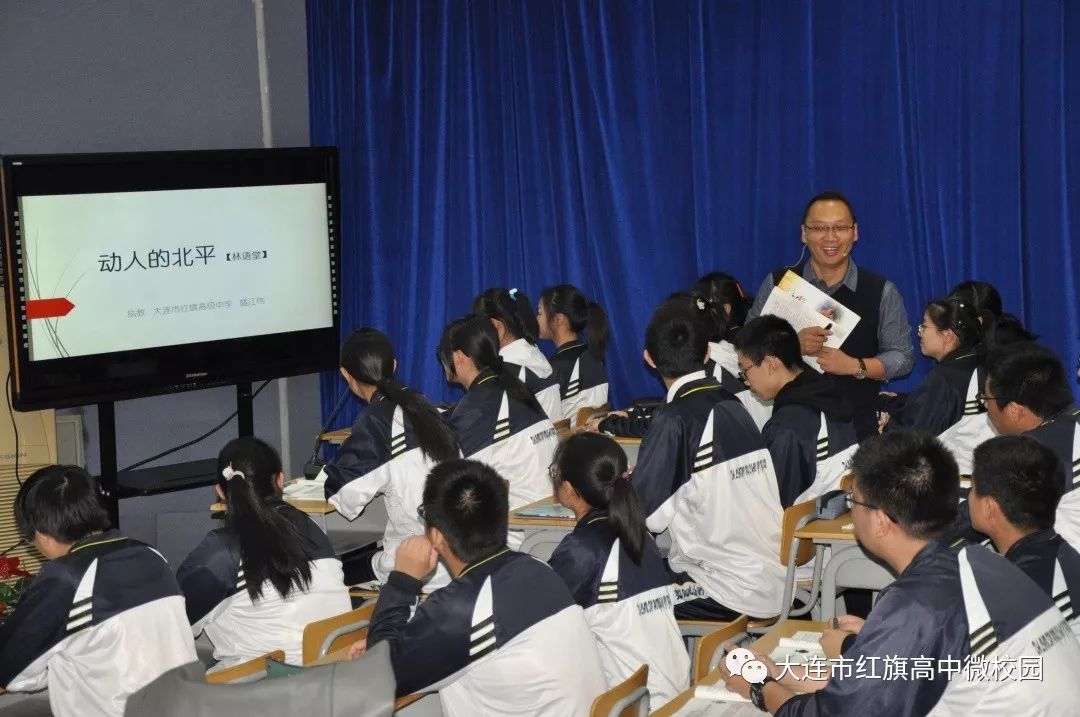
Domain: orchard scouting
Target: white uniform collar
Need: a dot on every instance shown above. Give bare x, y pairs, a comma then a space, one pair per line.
521, 353
682, 381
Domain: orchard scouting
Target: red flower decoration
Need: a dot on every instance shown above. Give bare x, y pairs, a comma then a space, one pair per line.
9, 568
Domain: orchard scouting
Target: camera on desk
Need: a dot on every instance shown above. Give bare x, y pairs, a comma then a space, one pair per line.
831, 505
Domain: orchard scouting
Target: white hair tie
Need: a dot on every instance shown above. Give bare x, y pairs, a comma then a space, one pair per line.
228, 473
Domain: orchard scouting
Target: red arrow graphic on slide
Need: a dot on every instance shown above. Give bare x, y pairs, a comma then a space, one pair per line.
48, 308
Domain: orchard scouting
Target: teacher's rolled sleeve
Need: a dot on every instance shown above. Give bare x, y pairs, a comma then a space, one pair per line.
895, 349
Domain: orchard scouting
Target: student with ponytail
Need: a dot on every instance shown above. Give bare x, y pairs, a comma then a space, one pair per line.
724, 306
394, 443
613, 568
563, 314
498, 421
950, 333
254, 584
511, 313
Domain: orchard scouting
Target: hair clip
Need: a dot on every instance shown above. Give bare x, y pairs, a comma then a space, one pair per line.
513, 294
700, 303
228, 473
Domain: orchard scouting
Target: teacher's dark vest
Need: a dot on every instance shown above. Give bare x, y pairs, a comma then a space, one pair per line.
862, 343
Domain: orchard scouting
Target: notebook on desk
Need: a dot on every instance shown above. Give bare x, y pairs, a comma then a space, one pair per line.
545, 511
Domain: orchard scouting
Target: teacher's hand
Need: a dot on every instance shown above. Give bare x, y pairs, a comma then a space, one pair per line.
812, 339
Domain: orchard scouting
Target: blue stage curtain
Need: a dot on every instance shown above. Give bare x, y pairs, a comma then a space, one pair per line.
628, 147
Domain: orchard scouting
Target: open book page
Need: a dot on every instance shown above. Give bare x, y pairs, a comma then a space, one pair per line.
801, 304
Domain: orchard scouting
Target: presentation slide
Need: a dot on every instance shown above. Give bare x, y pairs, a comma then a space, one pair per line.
134, 270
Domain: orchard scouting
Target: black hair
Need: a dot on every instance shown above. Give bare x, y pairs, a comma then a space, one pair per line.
1004, 330
596, 466
271, 545
770, 335
828, 197
677, 338
951, 314
1023, 476
467, 501
981, 295
368, 357
582, 314
716, 289
475, 337
912, 477
62, 502
513, 309
1031, 376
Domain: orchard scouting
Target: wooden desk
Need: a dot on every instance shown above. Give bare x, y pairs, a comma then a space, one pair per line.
827, 531
763, 645
336, 437
520, 521
342, 655
541, 535
311, 507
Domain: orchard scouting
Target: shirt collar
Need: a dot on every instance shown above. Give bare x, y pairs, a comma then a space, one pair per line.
594, 515
482, 561
517, 351
850, 280
571, 344
682, 381
1039, 536
485, 376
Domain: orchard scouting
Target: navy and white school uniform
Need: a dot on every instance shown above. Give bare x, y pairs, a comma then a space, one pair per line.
723, 365
515, 440
706, 477
628, 606
212, 579
1054, 565
810, 436
534, 370
968, 614
946, 404
1061, 433
504, 637
583, 381
382, 456
95, 626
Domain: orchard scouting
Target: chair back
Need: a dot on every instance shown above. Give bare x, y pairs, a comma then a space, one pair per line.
249, 671
792, 517
709, 647
629, 698
334, 633
584, 414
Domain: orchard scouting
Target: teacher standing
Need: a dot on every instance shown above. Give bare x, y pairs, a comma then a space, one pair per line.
879, 349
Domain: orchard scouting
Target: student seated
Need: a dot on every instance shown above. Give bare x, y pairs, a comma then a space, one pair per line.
563, 313
706, 477
505, 636
254, 584
725, 306
613, 568
104, 616
954, 612
393, 445
1027, 393
511, 313
950, 333
810, 435
498, 421
1015, 490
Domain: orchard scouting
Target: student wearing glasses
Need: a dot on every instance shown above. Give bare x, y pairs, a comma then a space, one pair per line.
879, 348
1027, 393
961, 612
